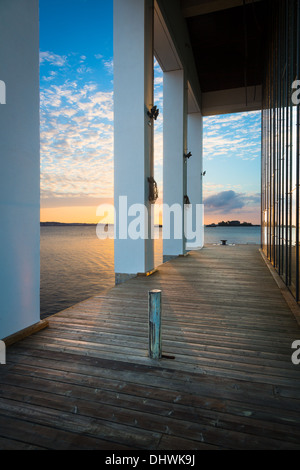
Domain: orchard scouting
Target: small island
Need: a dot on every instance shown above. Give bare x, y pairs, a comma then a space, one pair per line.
232, 223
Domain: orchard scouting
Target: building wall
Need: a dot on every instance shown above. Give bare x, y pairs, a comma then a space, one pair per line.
280, 143
19, 166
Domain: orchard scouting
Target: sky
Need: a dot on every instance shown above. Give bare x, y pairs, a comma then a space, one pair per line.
76, 80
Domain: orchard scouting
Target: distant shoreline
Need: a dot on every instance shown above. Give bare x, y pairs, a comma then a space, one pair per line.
80, 224
74, 224
58, 224
230, 226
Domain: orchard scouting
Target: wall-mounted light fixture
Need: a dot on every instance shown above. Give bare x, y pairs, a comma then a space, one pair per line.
186, 200
153, 114
153, 190
187, 155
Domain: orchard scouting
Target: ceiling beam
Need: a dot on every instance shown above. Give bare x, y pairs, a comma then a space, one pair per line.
164, 48
236, 100
192, 8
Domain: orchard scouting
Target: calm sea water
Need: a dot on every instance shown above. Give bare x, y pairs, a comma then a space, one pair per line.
234, 235
76, 265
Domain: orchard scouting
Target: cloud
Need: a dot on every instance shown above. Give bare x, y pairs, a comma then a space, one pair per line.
75, 201
76, 137
158, 80
50, 77
227, 201
53, 59
83, 69
109, 65
232, 136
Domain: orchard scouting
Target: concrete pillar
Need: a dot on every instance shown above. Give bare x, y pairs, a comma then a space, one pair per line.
19, 166
195, 180
174, 164
133, 131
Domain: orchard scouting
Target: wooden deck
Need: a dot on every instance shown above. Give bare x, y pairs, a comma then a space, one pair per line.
86, 382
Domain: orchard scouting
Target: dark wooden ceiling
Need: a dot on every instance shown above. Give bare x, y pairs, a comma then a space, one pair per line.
227, 38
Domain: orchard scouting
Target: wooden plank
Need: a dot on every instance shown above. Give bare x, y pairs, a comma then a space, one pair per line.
9, 444
49, 383
147, 417
101, 429
88, 378
201, 364
20, 433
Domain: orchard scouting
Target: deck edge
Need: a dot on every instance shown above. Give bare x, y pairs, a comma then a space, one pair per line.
30, 330
286, 293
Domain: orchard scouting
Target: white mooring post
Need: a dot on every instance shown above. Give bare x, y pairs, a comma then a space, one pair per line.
154, 308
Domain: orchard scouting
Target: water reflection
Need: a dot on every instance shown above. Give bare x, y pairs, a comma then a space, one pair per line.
76, 264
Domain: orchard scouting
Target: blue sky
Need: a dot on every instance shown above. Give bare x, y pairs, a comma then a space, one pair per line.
232, 160
76, 77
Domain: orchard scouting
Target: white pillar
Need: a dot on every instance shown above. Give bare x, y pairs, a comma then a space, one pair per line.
133, 131
195, 178
19, 167
174, 164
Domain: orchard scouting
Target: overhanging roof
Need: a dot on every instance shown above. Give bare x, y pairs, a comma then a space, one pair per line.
227, 38
202, 7
225, 41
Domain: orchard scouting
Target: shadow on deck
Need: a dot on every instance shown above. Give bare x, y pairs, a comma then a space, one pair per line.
86, 382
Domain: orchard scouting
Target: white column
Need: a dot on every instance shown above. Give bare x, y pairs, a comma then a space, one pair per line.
174, 164
19, 166
195, 178
133, 131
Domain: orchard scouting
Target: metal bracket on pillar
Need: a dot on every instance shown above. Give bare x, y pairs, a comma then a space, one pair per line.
153, 190
186, 156
186, 200
153, 113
